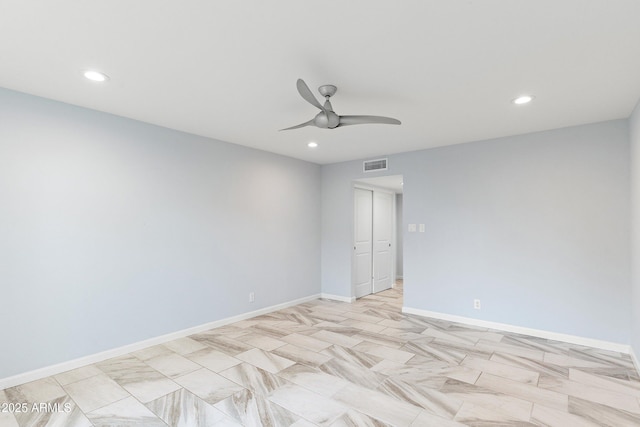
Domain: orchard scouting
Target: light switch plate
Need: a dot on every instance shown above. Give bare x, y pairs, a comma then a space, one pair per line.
422, 228
412, 228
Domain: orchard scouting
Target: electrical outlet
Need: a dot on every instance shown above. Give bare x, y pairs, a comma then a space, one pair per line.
252, 296
476, 304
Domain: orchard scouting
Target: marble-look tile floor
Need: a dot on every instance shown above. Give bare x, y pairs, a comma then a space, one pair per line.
327, 363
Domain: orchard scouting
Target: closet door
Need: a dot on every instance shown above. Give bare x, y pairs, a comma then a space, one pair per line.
383, 223
363, 242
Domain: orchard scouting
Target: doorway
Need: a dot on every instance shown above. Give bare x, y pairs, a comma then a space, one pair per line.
375, 240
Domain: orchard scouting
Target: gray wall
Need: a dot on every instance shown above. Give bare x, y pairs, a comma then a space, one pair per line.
634, 127
114, 231
536, 226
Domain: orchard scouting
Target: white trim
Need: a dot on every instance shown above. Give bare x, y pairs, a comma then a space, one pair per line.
635, 360
120, 351
338, 298
573, 339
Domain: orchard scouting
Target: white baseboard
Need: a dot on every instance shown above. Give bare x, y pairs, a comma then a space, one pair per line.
573, 339
120, 351
338, 298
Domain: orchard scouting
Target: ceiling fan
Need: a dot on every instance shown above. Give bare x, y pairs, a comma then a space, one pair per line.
326, 118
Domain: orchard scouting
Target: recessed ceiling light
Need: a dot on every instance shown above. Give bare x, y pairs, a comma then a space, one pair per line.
524, 99
312, 144
96, 76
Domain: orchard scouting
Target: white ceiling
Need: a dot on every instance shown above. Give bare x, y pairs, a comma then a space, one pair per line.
227, 69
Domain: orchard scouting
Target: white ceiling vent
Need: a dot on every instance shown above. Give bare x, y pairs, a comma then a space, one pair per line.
374, 165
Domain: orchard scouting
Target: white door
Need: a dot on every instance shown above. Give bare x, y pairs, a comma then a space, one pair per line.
363, 242
383, 223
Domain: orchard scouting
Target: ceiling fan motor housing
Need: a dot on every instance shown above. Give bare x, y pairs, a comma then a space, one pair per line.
326, 120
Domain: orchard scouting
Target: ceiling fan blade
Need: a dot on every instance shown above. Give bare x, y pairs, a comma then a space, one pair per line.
301, 125
305, 92
361, 120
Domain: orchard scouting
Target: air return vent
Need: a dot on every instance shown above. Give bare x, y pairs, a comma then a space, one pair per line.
375, 165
